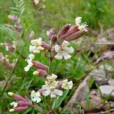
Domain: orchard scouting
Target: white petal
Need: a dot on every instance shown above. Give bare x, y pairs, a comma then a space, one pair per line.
59, 55
66, 56
70, 49
65, 44
53, 95
57, 48
38, 100
26, 68
46, 92
32, 48
70, 84
78, 20
58, 92
31, 56
14, 104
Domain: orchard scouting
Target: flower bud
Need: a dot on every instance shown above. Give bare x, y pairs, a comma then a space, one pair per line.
23, 103
45, 46
72, 30
42, 72
19, 109
53, 39
17, 96
39, 65
64, 30
11, 110
36, 73
74, 35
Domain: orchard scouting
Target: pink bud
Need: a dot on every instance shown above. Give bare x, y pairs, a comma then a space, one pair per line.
64, 30
19, 109
23, 103
13, 18
40, 65
72, 30
74, 35
53, 39
18, 97
42, 72
46, 46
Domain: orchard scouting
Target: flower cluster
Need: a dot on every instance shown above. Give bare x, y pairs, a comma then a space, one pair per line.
35, 46
21, 104
9, 47
58, 48
52, 88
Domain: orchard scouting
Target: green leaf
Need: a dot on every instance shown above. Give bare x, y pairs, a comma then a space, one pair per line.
59, 100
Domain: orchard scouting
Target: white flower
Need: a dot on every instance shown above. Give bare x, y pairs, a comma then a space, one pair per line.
31, 56
36, 2
63, 51
81, 27
67, 85
35, 46
51, 84
35, 96
29, 61
52, 92
14, 104
52, 77
78, 21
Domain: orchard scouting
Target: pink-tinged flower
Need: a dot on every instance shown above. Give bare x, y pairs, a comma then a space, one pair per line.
63, 51
17, 96
39, 65
40, 72
18, 109
46, 46
64, 30
13, 18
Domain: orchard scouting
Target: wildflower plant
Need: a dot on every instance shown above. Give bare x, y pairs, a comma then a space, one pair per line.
53, 88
